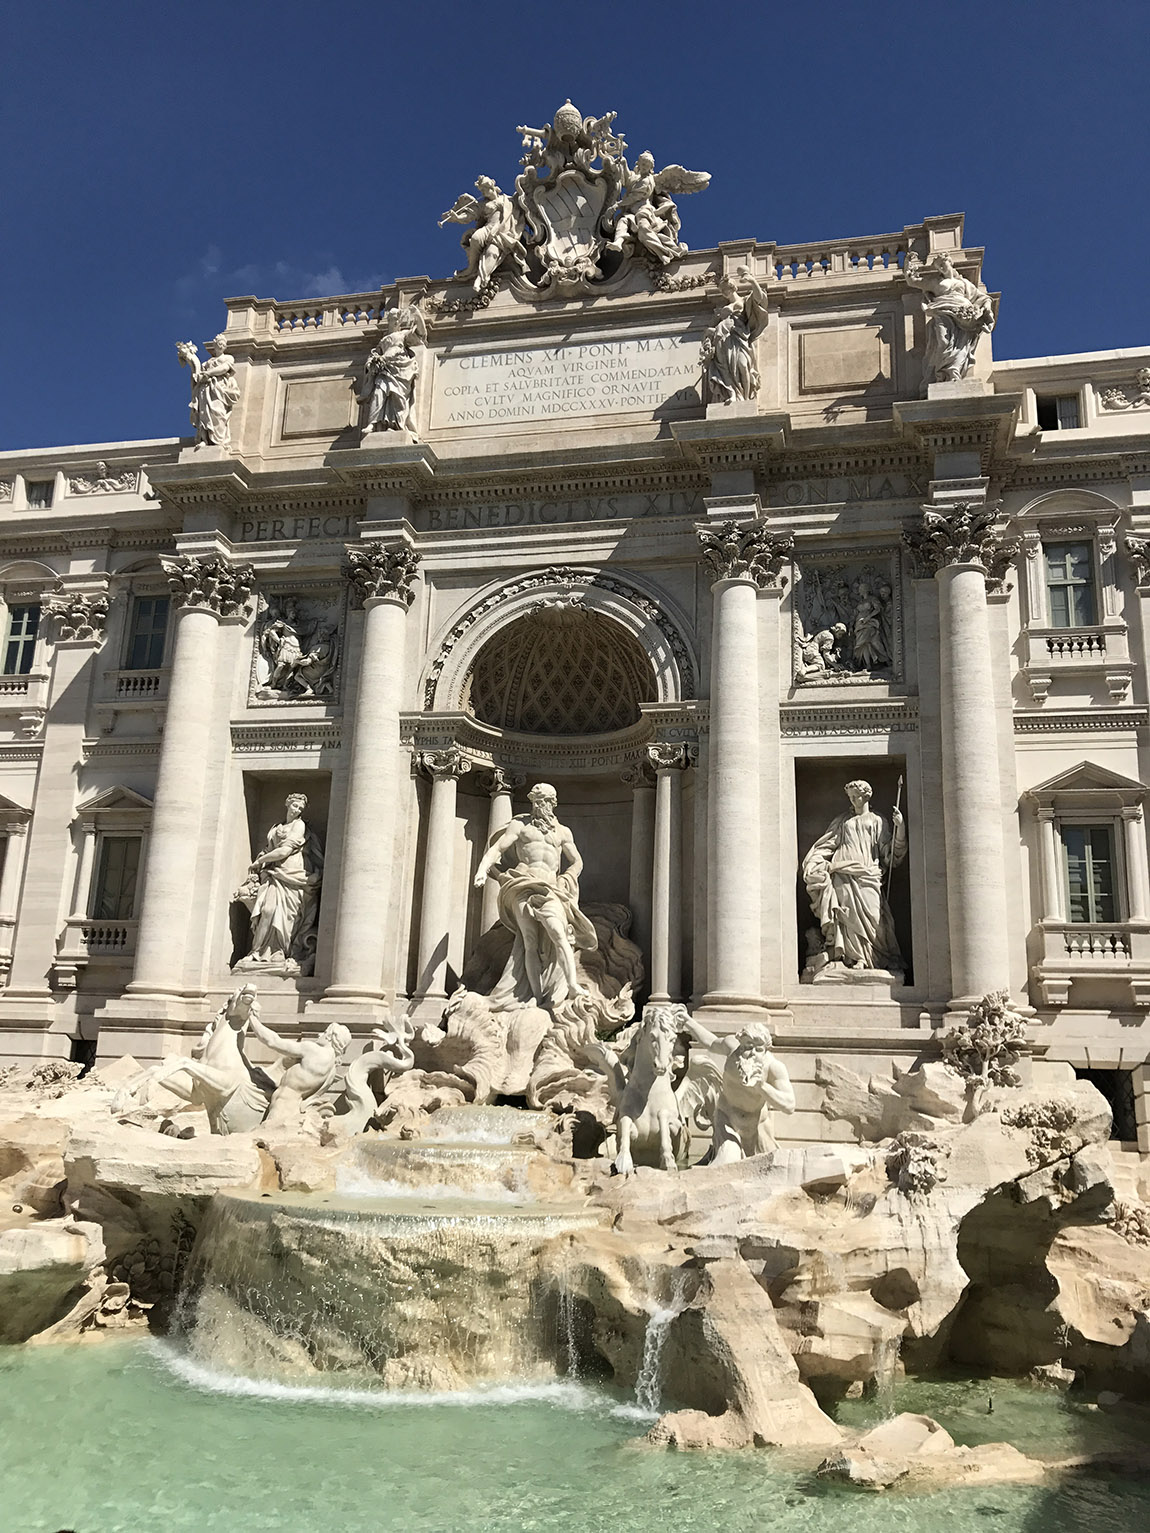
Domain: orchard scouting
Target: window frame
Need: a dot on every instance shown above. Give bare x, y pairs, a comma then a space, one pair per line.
1057, 399
103, 839
1120, 892
1090, 543
130, 635
30, 643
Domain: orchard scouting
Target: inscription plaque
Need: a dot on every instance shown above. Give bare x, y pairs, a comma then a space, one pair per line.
637, 375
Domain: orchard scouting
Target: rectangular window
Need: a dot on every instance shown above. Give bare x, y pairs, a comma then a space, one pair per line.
20, 645
146, 634
1090, 875
38, 493
1057, 412
1070, 584
114, 897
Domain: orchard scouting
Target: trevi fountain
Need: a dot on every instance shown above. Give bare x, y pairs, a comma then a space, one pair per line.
615, 998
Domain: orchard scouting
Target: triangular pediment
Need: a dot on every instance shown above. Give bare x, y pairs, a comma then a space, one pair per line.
115, 798
10, 809
1087, 777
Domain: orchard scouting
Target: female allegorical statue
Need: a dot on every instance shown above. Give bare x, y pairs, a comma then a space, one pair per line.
957, 312
282, 892
844, 873
728, 354
215, 391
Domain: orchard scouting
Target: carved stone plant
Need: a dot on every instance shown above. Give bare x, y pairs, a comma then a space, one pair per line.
986, 1047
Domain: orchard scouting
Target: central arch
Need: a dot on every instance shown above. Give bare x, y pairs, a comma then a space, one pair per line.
631, 625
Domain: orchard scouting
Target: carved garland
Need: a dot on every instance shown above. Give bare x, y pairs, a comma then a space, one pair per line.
563, 575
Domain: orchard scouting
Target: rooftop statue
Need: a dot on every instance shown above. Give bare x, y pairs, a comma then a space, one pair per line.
730, 371
389, 375
215, 392
576, 201
957, 313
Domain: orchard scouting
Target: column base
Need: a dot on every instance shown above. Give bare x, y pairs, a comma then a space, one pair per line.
726, 1013
354, 1009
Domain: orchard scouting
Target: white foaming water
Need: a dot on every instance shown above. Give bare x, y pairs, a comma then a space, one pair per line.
647, 1385
351, 1182
565, 1394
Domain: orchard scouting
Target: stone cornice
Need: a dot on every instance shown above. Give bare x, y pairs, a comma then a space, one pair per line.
893, 715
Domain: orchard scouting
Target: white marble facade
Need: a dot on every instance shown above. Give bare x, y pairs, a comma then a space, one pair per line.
539, 544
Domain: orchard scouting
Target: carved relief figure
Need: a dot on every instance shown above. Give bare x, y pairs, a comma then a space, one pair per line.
390, 372
215, 392
101, 482
497, 237
752, 1083
957, 313
539, 903
843, 626
282, 893
296, 652
844, 873
729, 368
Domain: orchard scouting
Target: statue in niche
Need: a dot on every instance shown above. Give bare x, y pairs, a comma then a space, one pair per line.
497, 237
390, 372
728, 351
845, 872
957, 313
647, 219
737, 1103
310, 1073
843, 627
215, 392
281, 892
296, 656
539, 904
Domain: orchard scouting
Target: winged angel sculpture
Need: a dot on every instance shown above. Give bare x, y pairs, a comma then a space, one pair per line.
576, 202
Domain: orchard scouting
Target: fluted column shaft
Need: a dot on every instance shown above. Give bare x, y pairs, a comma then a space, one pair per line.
445, 768
499, 785
177, 810
367, 860
975, 883
639, 893
733, 913
667, 874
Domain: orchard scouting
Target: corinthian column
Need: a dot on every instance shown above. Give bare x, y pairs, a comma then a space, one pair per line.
957, 543
445, 768
668, 762
499, 785
743, 560
382, 581
203, 592
639, 779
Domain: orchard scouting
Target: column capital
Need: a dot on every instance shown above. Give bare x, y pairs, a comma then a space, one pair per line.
500, 780
665, 756
1132, 812
1044, 813
752, 553
445, 765
212, 584
79, 616
383, 571
964, 532
638, 775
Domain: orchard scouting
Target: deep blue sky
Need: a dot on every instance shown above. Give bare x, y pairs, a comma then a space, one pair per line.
160, 157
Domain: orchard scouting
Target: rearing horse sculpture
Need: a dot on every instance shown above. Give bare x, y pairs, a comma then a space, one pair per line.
648, 1122
218, 1076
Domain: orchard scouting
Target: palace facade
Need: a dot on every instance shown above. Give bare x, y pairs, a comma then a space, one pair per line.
697, 537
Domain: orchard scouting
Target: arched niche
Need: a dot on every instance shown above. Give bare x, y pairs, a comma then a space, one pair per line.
601, 594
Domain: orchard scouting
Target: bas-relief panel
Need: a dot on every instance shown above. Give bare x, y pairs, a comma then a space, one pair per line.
847, 618
296, 649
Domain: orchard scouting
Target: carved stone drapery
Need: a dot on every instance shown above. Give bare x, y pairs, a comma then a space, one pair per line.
78, 616
380, 571
753, 552
211, 583
964, 533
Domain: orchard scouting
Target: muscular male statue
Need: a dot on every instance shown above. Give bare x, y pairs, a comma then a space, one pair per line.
539, 903
314, 1062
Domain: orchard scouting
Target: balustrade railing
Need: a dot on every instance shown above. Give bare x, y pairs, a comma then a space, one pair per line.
1076, 645
1098, 942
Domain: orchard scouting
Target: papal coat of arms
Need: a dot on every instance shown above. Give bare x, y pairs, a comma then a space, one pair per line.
579, 211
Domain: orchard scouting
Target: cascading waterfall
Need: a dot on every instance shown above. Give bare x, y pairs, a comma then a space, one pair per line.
408, 1291
648, 1384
